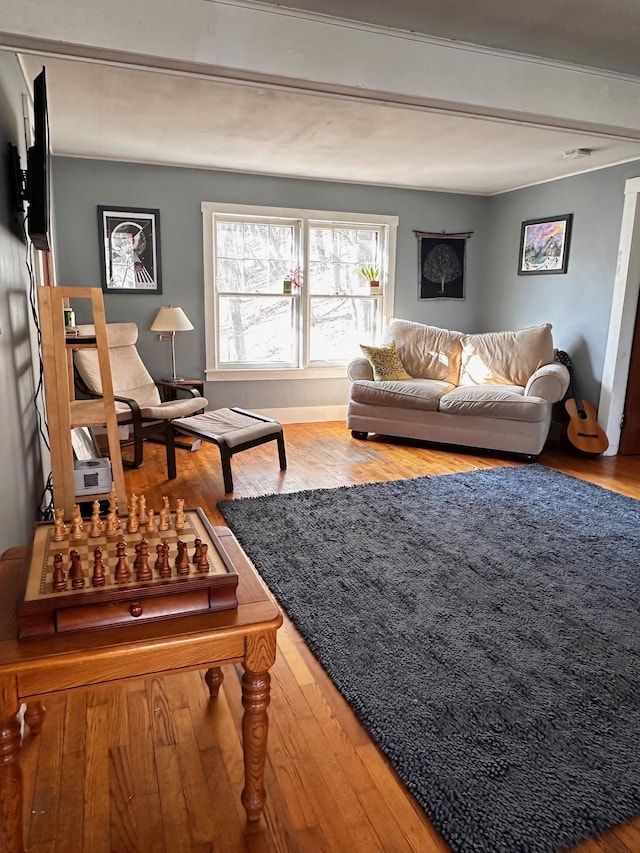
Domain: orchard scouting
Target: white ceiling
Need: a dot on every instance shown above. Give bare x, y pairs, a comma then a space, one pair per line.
159, 116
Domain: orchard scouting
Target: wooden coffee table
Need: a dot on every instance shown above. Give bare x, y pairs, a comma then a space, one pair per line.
32, 669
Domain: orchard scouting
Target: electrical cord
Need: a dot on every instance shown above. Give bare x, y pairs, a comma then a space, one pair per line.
45, 507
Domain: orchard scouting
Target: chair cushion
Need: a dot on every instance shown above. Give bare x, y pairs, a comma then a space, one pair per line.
412, 394
225, 426
127, 371
503, 402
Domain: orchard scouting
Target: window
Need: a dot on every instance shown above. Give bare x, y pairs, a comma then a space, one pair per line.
253, 326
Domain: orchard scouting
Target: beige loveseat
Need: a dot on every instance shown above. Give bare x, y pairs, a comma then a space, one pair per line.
492, 391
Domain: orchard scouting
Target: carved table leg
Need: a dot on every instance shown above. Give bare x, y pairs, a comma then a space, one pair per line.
255, 726
213, 678
34, 716
10, 787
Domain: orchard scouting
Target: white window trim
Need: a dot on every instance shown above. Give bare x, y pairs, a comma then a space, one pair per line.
209, 209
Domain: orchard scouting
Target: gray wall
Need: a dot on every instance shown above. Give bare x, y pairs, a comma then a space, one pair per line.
20, 465
578, 303
81, 185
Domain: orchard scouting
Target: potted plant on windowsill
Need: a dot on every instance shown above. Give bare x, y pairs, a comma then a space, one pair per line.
291, 284
372, 274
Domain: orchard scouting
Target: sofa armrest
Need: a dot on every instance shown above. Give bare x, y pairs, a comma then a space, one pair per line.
549, 382
359, 368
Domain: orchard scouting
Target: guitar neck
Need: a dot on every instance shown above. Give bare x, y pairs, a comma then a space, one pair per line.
574, 390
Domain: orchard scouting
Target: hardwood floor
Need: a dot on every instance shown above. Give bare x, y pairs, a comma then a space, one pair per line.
153, 766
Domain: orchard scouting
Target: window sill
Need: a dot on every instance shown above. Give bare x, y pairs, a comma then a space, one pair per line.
339, 372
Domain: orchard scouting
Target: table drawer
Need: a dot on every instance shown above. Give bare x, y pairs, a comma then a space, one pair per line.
113, 613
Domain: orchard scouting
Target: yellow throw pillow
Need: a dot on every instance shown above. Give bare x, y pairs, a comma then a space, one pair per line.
385, 362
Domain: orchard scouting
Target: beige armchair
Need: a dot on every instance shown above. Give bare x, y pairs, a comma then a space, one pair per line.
138, 400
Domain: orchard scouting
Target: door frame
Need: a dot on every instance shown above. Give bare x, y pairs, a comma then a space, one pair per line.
622, 320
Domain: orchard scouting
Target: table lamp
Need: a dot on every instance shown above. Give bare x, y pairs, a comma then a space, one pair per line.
172, 319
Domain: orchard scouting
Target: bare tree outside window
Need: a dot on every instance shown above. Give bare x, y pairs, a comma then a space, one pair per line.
441, 272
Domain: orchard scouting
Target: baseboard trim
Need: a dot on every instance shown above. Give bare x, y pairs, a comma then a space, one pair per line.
305, 414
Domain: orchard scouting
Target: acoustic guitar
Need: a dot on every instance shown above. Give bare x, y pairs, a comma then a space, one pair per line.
583, 430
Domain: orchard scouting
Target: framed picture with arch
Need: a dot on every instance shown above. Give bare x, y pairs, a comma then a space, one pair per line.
130, 249
544, 245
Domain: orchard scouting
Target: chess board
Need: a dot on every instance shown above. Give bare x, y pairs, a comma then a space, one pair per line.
45, 611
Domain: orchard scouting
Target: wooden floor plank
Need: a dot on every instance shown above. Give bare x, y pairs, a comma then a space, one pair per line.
71, 808
328, 787
96, 811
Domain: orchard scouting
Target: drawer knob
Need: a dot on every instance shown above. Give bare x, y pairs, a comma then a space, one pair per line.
135, 610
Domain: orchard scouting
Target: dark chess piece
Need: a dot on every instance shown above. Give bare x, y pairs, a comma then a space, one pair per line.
182, 559
98, 578
141, 565
122, 572
59, 574
203, 562
162, 565
196, 553
75, 570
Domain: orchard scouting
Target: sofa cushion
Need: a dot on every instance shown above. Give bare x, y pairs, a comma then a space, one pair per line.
502, 401
385, 362
427, 352
505, 358
412, 394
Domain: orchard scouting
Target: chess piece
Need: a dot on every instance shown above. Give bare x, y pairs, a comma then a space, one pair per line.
165, 557
59, 575
196, 553
162, 566
77, 525
142, 567
122, 573
182, 559
165, 502
132, 521
165, 519
142, 514
151, 524
137, 549
203, 562
76, 529
75, 570
60, 528
113, 508
98, 578
112, 525
179, 521
96, 524
77, 516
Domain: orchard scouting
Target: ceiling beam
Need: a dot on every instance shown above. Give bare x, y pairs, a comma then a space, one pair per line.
235, 39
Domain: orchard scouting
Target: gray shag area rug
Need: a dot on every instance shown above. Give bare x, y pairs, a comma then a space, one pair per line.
485, 628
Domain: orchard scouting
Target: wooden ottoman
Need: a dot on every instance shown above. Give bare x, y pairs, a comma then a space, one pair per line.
233, 430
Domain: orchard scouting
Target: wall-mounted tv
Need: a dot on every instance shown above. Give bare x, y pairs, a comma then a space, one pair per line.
38, 168
32, 185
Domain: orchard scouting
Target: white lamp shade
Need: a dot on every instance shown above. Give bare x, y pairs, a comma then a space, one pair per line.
171, 319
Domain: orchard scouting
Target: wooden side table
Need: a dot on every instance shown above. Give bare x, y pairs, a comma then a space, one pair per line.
32, 669
169, 388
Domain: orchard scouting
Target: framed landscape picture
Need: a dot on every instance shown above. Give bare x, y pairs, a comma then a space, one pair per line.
544, 245
130, 249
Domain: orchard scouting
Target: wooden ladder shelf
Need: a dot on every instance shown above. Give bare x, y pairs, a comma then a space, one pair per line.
64, 412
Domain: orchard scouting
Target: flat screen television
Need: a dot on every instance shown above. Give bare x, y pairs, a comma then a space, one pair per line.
38, 168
